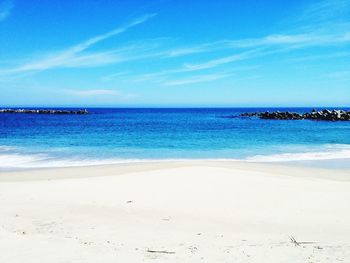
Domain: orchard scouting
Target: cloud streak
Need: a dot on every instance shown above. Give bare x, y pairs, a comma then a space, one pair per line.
223, 60
322, 56
196, 79
233, 51
74, 56
95, 95
325, 10
92, 92
300, 40
5, 9
249, 49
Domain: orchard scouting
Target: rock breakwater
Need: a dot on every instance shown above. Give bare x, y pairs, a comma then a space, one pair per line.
323, 115
43, 111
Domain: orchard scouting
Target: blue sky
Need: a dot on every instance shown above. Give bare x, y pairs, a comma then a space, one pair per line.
174, 53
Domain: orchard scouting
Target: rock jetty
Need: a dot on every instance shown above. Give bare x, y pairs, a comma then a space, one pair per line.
323, 115
44, 111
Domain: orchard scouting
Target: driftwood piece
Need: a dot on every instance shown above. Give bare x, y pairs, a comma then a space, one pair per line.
160, 251
298, 243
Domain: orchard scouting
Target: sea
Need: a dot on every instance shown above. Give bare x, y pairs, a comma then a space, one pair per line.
123, 135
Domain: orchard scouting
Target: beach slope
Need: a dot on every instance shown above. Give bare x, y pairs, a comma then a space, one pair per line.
191, 211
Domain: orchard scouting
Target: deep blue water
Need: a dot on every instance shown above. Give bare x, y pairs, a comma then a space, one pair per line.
114, 135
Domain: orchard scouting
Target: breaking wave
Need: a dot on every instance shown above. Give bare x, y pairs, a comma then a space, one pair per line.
14, 158
326, 152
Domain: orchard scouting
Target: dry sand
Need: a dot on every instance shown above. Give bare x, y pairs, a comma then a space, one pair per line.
191, 211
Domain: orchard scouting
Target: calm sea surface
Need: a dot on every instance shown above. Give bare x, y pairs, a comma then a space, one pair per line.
123, 135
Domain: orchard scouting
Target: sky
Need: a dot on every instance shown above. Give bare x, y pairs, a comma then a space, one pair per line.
174, 53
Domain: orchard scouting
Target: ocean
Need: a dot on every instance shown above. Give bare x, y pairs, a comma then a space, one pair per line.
151, 134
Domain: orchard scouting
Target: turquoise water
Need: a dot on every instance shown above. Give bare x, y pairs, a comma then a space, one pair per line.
124, 135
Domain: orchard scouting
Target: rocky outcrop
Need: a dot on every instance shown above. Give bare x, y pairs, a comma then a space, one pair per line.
327, 115
324, 115
44, 111
280, 115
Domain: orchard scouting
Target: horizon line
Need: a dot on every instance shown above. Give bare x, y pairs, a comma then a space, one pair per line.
169, 107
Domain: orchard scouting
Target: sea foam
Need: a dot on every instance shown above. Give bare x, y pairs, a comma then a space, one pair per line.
327, 152
11, 160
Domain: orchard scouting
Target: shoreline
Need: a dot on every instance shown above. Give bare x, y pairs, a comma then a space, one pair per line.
332, 156
291, 168
335, 163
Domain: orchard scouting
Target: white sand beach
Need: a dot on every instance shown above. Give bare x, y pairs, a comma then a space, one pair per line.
190, 211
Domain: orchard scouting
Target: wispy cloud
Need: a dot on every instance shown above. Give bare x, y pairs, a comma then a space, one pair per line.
197, 79
199, 48
88, 43
306, 39
234, 51
92, 92
74, 56
296, 40
223, 60
250, 48
165, 76
96, 96
117, 75
322, 56
324, 17
5, 9
244, 49
325, 10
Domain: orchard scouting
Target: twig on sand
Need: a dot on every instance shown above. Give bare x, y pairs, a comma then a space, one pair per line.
298, 243
160, 251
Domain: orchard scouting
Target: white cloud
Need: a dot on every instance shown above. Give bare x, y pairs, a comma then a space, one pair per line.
326, 10
86, 44
78, 56
322, 56
224, 60
199, 48
114, 76
196, 79
92, 92
300, 40
271, 44
73, 57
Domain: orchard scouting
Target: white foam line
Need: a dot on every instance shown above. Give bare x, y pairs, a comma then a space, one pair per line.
310, 156
7, 148
17, 160
41, 161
